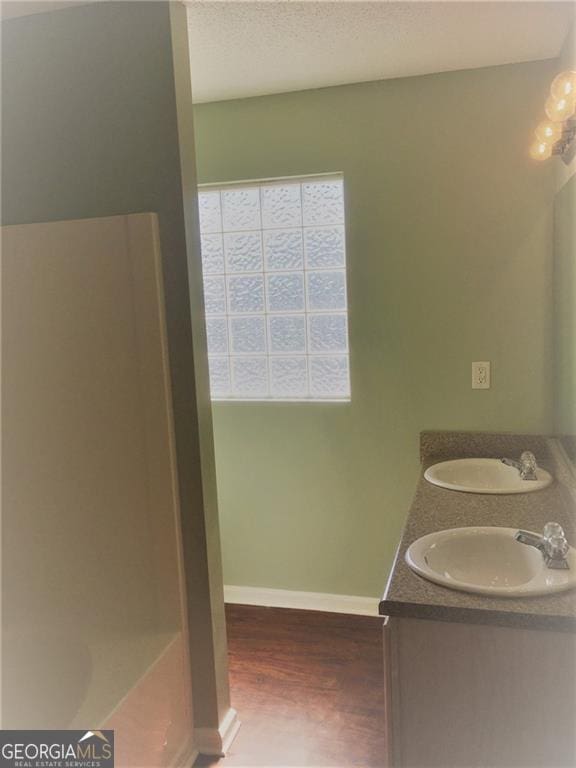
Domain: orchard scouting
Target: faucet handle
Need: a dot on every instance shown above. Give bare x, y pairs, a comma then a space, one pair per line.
552, 530
528, 460
528, 466
556, 547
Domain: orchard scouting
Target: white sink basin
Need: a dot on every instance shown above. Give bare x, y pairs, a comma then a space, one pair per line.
488, 561
484, 476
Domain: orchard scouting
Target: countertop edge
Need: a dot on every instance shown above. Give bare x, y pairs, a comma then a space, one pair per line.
405, 610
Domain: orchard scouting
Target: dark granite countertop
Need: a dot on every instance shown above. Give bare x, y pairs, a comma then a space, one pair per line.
434, 509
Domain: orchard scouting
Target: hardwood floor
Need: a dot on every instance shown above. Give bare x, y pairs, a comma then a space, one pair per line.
308, 688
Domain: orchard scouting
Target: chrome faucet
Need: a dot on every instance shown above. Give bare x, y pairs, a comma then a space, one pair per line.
526, 466
552, 544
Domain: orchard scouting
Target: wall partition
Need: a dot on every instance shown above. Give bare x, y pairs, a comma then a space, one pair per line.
95, 128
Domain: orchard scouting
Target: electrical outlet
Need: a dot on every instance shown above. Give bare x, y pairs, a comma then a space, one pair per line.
481, 375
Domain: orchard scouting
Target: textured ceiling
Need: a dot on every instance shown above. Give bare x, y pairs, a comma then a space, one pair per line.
241, 49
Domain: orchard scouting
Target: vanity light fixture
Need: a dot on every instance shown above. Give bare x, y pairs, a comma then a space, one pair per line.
557, 134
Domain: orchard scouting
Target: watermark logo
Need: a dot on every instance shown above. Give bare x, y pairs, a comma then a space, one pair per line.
56, 749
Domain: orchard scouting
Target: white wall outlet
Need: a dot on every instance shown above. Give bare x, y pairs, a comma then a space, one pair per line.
481, 375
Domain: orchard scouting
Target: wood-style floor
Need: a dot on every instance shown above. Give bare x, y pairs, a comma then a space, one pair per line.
308, 688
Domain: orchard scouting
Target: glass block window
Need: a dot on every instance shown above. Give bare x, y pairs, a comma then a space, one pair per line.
274, 266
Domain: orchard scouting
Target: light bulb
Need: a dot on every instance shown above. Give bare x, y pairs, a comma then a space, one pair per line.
549, 132
540, 150
564, 85
559, 110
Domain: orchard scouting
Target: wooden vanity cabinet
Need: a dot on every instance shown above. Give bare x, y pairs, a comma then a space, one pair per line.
478, 696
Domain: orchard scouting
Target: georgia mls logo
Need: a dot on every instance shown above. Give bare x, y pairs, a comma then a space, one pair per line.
56, 749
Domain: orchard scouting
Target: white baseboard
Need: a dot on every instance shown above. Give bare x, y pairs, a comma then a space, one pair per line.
217, 741
186, 756
306, 601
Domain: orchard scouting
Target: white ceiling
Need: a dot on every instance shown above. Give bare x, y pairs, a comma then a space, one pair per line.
246, 48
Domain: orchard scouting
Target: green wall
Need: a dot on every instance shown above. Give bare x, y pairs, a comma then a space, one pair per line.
449, 236
565, 307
